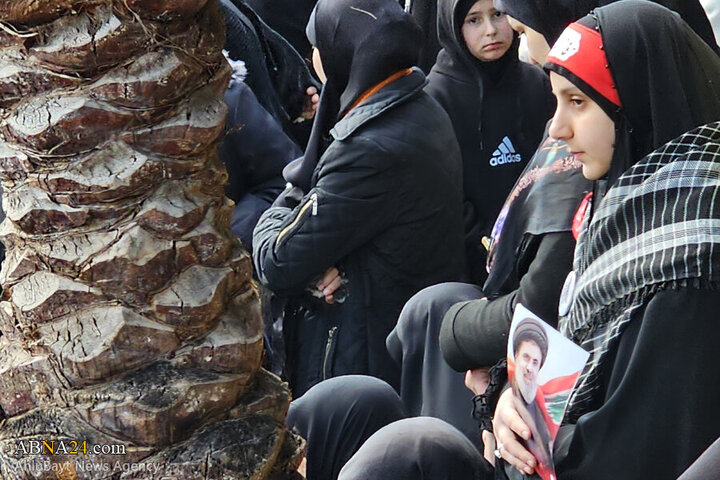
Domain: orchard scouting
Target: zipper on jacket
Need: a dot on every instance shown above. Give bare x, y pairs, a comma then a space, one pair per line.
328, 350
310, 206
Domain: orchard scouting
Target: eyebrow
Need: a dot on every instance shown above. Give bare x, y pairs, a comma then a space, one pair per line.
568, 90
478, 12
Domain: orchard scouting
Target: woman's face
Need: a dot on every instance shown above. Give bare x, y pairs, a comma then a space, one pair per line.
538, 47
584, 126
317, 65
486, 32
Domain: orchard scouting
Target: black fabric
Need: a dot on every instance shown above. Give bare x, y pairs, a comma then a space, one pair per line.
428, 386
550, 17
624, 255
417, 448
544, 200
254, 150
425, 14
474, 333
649, 427
665, 74
361, 43
288, 18
490, 104
385, 207
659, 409
277, 75
336, 416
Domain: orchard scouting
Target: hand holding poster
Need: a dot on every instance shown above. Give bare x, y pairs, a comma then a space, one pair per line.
543, 367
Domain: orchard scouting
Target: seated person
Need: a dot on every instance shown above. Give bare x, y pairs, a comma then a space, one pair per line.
380, 215
336, 416
493, 99
636, 91
416, 448
498, 105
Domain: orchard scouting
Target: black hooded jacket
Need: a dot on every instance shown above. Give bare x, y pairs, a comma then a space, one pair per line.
473, 331
277, 74
384, 202
288, 18
499, 110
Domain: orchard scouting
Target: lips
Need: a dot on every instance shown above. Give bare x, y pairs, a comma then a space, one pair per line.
493, 46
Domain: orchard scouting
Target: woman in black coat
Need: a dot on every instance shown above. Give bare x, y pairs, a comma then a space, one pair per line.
379, 214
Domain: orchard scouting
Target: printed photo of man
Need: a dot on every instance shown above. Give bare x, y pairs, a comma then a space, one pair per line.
530, 347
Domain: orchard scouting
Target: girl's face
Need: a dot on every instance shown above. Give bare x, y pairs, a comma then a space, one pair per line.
584, 126
538, 47
486, 32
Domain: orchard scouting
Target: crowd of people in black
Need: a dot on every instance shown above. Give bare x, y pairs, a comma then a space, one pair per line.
398, 211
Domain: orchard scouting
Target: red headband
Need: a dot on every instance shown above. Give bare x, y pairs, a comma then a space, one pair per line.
580, 50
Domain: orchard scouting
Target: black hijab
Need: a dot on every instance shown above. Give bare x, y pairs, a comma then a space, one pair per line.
415, 449
361, 43
455, 59
667, 78
487, 101
550, 17
337, 415
276, 73
661, 175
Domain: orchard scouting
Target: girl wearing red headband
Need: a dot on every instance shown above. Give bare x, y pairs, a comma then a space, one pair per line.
638, 104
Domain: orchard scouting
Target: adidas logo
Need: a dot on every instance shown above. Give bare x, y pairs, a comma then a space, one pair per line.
505, 153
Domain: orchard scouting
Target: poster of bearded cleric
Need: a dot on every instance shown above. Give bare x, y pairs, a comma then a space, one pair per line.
543, 367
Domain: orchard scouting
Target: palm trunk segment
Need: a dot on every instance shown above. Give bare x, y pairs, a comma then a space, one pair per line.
128, 317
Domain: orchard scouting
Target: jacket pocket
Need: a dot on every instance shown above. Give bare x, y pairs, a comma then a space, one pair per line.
309, 208
329, 353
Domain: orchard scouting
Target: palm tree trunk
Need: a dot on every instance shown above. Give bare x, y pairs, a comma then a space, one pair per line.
130, 322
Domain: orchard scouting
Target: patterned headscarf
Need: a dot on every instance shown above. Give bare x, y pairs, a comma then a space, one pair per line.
656, 228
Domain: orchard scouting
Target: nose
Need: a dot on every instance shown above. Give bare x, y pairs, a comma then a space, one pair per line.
559, 127
491, 29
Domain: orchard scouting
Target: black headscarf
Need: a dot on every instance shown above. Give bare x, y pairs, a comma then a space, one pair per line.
667, 78
661, 176
487, 101
337, 415
455, 59
361, 43
287, 17
415, 449
277, 75
550, 17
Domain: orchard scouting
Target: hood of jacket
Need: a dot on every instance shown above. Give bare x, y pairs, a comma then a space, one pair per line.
455, 59
361, 43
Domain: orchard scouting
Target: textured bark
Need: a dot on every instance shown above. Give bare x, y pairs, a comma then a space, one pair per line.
128, 314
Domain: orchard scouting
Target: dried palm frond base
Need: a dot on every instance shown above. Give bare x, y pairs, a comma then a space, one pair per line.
129, 317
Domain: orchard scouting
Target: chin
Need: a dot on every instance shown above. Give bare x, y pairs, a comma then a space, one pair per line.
590, 173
